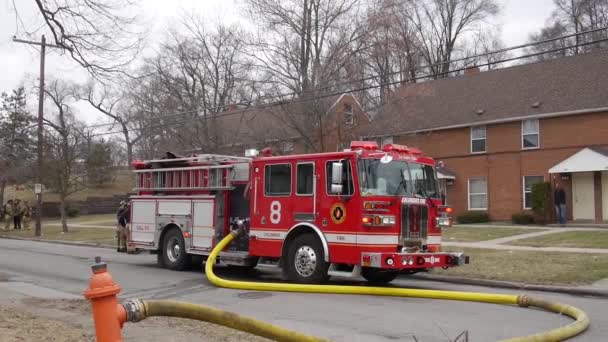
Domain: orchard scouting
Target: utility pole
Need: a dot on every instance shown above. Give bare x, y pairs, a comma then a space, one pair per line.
40, 143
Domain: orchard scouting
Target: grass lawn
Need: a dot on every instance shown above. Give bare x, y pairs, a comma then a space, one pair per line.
122, 184
99, 220
531, 267
482, 233
583, 239
97, 235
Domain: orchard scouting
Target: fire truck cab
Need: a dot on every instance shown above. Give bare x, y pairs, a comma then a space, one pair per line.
364, 211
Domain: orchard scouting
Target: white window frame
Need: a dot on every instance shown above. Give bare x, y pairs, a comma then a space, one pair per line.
288, 146
480, 193
523, 190
349, 116
537, 133
485, 139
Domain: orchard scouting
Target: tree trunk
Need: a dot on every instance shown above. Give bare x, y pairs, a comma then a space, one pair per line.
62, 211
2, 188
130, 154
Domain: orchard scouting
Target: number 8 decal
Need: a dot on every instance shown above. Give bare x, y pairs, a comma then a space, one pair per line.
275, 212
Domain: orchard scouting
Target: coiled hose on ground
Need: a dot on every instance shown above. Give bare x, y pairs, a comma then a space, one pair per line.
186, 310
562, 333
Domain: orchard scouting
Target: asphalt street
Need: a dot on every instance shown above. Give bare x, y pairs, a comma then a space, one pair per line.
53, 270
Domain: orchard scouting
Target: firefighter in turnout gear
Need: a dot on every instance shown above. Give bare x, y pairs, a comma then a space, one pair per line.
8, 214
27, 214
121, 229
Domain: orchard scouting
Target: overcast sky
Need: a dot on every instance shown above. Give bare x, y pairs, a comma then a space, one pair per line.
19, 63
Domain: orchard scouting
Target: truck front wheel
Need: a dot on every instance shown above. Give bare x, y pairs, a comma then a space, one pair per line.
378, 276
306, 260
173, 251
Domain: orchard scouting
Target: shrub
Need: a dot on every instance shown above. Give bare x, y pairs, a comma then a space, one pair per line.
72, 212
473, 217
522, 218
541, 193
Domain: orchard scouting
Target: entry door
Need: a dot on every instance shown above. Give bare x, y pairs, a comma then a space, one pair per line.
583, 205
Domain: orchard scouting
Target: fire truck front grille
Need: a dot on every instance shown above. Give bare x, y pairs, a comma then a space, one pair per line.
414, 223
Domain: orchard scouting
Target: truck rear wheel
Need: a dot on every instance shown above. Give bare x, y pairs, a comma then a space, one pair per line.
378, 276
306, 260
173, 251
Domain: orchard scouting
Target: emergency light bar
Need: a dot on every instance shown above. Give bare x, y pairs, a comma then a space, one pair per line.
395, 148
366, 145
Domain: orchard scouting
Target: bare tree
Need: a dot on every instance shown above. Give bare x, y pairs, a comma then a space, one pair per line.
441, 24
103, 35
304, 44
202, 71
65, 159
572, 17
117, 106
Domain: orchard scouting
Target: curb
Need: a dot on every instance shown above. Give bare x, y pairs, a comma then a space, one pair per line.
58, 242
575, 291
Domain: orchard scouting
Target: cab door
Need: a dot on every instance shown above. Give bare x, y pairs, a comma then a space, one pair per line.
272, 215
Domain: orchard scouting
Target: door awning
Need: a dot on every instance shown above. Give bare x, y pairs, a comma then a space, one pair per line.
586, 160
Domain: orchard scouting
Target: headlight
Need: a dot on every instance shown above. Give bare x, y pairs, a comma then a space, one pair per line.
388, 220
443, 221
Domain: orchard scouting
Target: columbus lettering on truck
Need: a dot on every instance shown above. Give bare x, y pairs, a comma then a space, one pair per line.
363, 211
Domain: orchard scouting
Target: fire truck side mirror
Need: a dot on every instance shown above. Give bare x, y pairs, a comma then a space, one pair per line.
336, 173
336, 178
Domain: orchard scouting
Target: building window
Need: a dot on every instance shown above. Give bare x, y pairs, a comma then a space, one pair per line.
349, 117
386, 141
529, 134
529, 181
478, 194
278, 180
305, 178
478, 139
287, 146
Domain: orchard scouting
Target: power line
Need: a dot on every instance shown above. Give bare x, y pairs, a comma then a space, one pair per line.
370, 78
299, 100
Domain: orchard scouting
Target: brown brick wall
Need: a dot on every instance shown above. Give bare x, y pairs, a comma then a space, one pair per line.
505, 163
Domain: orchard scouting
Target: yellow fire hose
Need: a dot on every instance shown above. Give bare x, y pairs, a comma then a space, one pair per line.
137, 310
578, 326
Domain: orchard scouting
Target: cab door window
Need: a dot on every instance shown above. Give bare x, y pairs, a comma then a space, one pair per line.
277, 179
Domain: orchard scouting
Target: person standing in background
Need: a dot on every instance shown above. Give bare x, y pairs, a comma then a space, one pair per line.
559, 200
8, 214
27, 214
17, 213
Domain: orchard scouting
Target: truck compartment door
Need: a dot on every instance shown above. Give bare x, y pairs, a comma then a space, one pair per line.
203, 229
143, 221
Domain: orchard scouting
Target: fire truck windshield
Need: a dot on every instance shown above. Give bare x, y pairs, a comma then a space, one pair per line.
396, 178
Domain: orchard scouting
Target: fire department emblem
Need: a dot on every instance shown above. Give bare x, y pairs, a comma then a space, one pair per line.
338, 213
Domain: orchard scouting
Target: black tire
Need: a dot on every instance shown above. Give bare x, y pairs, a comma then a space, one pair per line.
172, 253
308, 252
378, 276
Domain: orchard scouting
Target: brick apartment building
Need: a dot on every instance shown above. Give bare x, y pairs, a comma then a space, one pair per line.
500, 131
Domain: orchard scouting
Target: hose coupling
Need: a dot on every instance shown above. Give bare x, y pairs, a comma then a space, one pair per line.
524, 301
136, 310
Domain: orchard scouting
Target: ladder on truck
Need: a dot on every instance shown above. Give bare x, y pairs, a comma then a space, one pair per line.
212, 176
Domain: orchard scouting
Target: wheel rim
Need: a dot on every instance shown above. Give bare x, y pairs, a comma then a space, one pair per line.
173, 249
305, 261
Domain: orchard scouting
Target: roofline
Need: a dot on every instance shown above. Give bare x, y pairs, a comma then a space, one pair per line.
497, 121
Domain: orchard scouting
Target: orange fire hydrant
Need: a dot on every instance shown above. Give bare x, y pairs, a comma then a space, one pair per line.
108, 315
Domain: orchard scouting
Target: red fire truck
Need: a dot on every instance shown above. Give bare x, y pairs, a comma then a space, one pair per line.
364, 211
